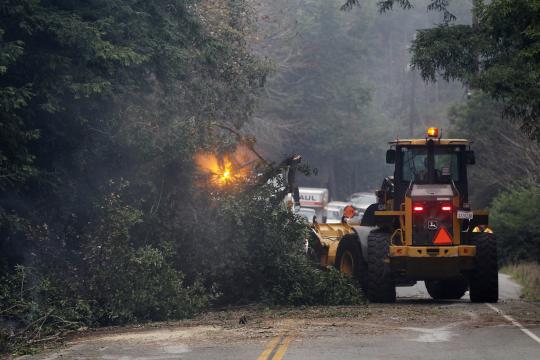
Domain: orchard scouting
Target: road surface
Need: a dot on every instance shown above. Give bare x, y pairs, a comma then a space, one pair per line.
416, 327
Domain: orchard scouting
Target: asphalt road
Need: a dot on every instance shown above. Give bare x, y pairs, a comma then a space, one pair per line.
508, 290
416, 327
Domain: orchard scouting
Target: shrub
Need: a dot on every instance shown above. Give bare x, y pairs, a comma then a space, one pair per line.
252, 248
33, 308
105, 280
247, 246
129, 282
514, 216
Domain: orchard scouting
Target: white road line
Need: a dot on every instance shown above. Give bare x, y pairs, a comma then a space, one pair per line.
515, 323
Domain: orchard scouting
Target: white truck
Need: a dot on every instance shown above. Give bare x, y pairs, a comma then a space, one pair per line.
316, 199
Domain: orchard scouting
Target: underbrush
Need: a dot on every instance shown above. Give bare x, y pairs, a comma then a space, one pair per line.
527, 274
37, 309
514, 216
108, 276
256, 253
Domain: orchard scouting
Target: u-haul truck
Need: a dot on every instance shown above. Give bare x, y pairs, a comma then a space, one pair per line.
316, 199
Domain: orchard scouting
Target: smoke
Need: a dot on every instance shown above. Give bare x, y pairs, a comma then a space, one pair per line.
343, 87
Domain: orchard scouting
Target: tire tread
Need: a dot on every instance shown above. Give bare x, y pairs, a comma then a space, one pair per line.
380, 285
483, 280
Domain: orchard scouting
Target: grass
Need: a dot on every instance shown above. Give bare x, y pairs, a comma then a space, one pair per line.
527, 274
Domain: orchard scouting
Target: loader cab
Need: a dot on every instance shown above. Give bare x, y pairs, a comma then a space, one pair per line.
429, 161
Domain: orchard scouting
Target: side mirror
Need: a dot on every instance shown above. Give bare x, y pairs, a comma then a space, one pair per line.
390, 156
470, 157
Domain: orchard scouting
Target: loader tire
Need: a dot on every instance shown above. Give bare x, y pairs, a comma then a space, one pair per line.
449, 289
349, 257
380, 285
483, 279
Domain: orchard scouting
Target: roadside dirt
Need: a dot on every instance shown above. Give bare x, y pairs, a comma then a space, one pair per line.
222, 327
250, 327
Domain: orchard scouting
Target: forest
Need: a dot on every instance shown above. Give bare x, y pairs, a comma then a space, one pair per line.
105, 217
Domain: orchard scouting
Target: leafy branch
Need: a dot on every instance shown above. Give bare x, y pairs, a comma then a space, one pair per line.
388, 5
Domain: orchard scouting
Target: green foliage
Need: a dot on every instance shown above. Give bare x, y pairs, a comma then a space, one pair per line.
128, 282
302, 284
98, 90
34, 308
509, 182
253, 250
497, 54
103, 106
514, 216
248, 248
37, 307
15, 159
479, 119
454, 46
387, 5
108, 280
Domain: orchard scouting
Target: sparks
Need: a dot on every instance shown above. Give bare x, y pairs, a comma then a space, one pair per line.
224, 170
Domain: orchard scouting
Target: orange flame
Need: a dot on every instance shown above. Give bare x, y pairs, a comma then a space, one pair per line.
228, 169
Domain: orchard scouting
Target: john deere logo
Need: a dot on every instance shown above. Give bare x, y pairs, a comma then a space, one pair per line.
432, 225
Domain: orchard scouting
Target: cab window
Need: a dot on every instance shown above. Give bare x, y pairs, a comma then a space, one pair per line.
446, 164
415, 164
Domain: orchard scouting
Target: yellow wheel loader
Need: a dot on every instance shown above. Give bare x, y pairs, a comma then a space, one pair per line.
421, 228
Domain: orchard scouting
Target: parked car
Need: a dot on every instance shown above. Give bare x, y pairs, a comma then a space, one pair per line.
307, 214
333, 215
339, 204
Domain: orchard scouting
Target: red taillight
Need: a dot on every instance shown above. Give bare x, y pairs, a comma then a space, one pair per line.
418, 208
446, 208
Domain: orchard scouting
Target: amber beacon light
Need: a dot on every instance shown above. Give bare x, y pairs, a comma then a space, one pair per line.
432, 132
